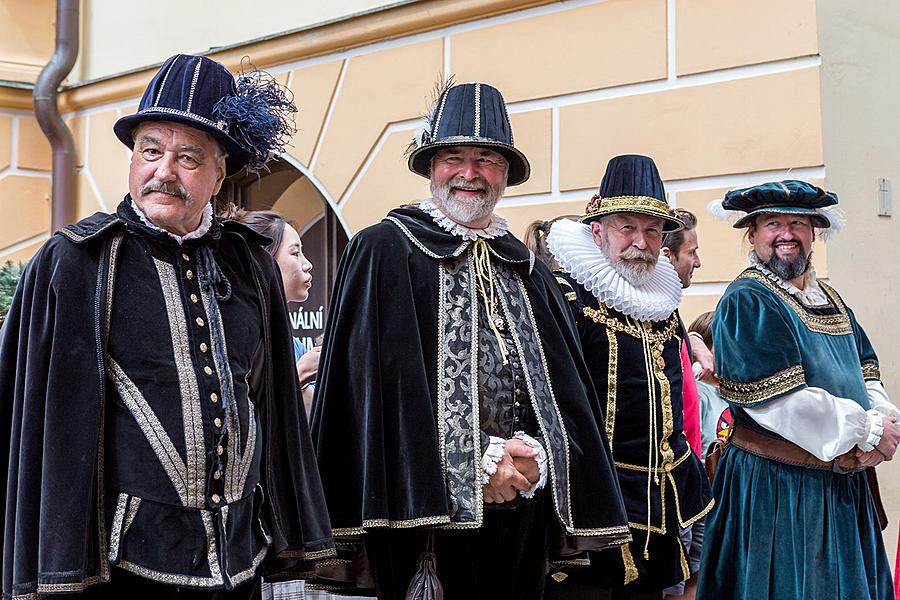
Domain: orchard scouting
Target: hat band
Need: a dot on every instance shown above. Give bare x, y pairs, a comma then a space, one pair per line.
220, 125
643, 204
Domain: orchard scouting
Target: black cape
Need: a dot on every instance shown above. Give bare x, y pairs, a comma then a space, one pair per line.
374, 420
53, 388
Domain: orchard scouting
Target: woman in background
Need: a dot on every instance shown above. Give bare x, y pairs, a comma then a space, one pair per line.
296, 274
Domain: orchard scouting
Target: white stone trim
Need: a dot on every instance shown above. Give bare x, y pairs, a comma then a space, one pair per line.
327, 121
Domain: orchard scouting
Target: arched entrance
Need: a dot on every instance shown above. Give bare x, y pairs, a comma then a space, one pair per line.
287, 190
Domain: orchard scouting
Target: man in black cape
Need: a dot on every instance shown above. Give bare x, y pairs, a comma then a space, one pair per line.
153, 439
453, 407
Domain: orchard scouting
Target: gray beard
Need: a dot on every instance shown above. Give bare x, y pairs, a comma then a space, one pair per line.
460, 211
637, 274
788, 269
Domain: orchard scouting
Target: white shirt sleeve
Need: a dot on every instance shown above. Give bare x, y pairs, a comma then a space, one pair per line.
823, 425
879, 401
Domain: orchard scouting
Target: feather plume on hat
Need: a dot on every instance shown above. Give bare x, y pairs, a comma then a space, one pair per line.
260, 116
425, 132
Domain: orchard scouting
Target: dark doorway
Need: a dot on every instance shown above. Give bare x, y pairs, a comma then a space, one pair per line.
286, 190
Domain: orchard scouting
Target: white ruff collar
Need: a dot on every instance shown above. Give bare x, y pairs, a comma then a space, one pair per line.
205, 224
496, 228
810, 295
573, 246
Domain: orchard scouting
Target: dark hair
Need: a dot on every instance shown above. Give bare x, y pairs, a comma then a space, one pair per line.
536, 240
674, 240
266, 222
703, 325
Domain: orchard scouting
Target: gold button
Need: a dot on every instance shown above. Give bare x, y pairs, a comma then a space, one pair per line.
217, 475
220, 450
185, 256
664, 445
661, 362
200, 321
215, 498
668, 467
203, 347
217, 422
194, 298
214, 397
207, 370
189, 274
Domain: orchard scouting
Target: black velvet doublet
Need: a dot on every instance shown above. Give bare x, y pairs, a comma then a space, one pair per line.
150, 414
636, 368
409, 386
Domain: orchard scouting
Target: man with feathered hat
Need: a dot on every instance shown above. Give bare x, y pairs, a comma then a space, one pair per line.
154, 442
624, 294
453, 410
797, 512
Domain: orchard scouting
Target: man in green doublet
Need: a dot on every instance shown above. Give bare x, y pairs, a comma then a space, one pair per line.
795, 516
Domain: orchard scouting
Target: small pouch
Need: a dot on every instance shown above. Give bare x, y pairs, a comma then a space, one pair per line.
425, 584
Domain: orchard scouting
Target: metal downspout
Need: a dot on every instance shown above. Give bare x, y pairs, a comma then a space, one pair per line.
62, 194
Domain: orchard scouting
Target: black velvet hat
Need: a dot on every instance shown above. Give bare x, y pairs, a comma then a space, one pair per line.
790, 196
251, 117
469, 114
632, 184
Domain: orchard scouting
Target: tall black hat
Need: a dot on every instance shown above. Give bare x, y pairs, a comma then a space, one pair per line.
790, 196
632, 184
469, 114
251, 117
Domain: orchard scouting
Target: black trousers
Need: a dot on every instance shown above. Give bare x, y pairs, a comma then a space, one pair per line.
506, 559
127, 586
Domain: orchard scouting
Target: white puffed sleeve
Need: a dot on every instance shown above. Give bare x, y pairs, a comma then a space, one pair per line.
823, 425
878, 399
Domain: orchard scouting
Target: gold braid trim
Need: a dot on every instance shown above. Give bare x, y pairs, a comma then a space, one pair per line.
763, 389
611, 389
600, 317
837, 324
631, 572
640, 204
871, 372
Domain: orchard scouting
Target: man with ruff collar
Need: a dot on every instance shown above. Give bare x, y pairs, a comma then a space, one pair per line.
453, 409
153, 438
798, 508
624, 296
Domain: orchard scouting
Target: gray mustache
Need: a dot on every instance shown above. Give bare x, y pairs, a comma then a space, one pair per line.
166, 187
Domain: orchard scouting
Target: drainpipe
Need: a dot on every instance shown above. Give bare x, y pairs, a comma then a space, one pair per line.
62, 194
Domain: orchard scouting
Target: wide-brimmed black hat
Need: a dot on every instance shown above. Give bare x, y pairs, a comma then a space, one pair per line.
469, 114
632, 184
790, 196
251, 117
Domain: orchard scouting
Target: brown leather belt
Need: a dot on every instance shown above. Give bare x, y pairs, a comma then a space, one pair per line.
783, 451
789, 453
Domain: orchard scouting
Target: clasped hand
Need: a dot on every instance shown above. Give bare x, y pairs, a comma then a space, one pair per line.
517, 471
885, 449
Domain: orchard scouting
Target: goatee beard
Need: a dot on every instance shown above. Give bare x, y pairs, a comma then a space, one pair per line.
788, 269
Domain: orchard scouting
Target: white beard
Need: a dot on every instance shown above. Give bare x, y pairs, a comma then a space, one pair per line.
465, 211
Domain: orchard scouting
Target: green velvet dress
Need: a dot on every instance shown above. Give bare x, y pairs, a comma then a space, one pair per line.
779, 531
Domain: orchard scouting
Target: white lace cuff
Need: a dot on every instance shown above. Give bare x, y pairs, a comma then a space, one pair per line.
874, 430
541, 460
491, 457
